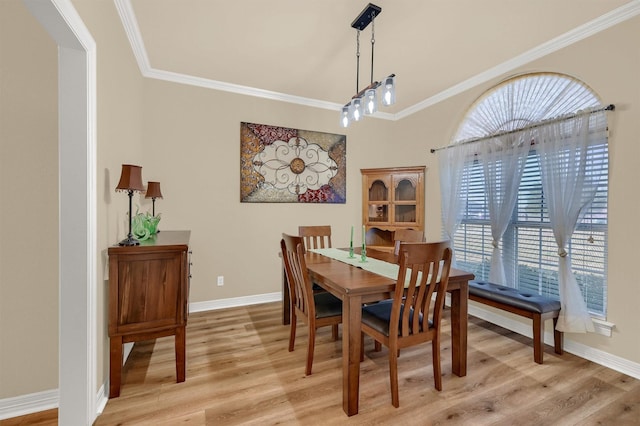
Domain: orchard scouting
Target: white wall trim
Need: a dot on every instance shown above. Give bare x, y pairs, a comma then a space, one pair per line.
608, 360
212, 305
130, 23
102, 398
77, 371
42, 401
588, 29
27, 404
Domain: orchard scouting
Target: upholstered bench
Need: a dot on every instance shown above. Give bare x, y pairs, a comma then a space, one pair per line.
538, 308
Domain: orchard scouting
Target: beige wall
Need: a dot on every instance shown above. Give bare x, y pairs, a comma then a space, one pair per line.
188, 139
193, 148
28, 206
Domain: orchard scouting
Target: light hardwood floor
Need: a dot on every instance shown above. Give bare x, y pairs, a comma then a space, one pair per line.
240, 372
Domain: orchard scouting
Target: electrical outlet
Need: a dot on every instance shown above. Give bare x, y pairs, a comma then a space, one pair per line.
220, 280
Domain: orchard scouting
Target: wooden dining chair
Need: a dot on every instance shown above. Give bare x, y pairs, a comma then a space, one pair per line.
413, 315
318, 236
316, 310
406, 236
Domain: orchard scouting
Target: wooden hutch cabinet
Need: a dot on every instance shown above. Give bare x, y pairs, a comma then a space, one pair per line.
148, 297
392, 198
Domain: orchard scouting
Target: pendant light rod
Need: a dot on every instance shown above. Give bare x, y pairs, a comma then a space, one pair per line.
373, 41
358, 61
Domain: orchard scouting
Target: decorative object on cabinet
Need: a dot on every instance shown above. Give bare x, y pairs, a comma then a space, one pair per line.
130, 181
144, 225
148, 297
153, 192
392, 199
283, 165
365, 101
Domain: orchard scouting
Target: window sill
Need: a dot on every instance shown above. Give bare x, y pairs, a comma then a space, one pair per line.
603, 327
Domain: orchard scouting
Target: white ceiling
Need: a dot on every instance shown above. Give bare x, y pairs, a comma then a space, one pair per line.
303, 51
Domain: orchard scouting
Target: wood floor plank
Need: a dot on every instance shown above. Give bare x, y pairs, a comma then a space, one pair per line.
239, 372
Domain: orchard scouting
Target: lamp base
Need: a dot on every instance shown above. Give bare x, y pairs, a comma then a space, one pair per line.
129, 241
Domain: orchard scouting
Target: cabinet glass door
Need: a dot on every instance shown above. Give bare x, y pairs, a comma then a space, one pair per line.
405, 205
405, 190
378, 202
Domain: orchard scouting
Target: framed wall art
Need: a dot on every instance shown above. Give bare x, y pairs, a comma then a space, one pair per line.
283, 165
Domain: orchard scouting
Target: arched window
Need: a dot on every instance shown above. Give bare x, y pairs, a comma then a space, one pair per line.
528, 247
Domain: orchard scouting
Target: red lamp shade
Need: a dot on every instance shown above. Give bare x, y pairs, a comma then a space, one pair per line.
130, 178
153, 190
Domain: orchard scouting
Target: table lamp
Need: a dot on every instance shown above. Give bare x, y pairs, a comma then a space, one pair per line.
153, 192
130, 181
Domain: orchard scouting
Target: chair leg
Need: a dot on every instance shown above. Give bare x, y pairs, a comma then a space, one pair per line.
437, 371
361, 347
292, 332
393, 376
378, 346
334, 331
310, 348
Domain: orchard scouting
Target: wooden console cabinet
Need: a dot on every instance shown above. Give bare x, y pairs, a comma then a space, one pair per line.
148, 297
392, 199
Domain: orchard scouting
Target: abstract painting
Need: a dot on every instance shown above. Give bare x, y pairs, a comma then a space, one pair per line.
283, 165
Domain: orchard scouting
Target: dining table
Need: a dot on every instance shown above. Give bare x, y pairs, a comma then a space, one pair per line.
356, 286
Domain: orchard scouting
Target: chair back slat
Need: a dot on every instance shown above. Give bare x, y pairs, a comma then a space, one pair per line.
424, 270
406, 236
300, 291
318, 236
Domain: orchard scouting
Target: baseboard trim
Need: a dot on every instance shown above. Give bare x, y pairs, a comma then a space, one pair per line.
41, 401
102, 398
605, 359
28, 404
212, 305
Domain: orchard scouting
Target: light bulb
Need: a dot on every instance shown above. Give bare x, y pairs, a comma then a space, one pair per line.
344, 116
370, 102
389, 91
355, 109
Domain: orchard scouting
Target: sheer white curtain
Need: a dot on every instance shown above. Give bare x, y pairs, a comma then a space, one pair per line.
569, 190
452, 162
503, 160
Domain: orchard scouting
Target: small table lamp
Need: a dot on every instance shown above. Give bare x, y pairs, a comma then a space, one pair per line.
153, 192
130, 180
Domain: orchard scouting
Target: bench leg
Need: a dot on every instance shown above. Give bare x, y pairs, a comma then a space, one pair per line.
558, 337
538, 335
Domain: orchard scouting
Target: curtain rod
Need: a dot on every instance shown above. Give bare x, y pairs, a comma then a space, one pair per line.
609, 107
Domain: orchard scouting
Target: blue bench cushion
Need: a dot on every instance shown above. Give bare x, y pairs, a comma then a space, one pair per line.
513, 297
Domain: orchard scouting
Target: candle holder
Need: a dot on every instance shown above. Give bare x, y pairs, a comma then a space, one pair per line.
351, 256
363, 253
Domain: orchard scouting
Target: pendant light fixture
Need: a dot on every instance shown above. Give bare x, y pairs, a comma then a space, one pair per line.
365, 101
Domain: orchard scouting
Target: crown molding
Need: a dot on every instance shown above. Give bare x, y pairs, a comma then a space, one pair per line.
588, 29
131, 28
130, 23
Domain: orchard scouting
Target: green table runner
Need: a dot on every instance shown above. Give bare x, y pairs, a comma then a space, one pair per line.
380, 267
